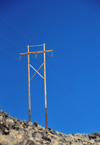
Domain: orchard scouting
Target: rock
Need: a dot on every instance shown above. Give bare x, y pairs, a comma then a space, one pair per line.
1, 118
11, 125
21, 143
5, 131
35, 124
97, 140
4, 128
53, 132
30, 124
1, 112
49, 129
9, 121
92, 136
15, 120
96, 134
6, 115
59, 134
16, 127
37, 134
39, 128
16, 132
30, 142
45, 131
63, 140
46, 138
21, 130
25, 124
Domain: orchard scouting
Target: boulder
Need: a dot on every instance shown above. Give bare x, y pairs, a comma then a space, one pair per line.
35, 124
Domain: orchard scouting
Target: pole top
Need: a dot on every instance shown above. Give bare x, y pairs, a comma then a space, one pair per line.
43, 44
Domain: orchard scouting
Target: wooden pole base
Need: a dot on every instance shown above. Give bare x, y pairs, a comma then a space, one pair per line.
29, 115
46, 118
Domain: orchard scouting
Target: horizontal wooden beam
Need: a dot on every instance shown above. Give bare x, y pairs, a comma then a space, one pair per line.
36, 52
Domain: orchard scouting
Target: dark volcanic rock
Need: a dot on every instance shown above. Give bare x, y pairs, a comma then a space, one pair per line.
92, 136
35, 124
15, 126
53, 132
46, 138
96, 134
25, 124
4, 128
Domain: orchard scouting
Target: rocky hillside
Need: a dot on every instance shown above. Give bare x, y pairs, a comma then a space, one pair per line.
16, 132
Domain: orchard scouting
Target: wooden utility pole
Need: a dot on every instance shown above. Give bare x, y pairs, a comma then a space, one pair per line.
29, 100
45, 94
45, 91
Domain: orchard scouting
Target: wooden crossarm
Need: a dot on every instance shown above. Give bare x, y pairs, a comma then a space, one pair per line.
36, 52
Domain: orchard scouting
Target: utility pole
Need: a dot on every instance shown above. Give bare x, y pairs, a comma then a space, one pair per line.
29, 100
45, 93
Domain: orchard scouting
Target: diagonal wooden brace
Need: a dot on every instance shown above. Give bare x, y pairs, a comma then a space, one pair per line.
37, 72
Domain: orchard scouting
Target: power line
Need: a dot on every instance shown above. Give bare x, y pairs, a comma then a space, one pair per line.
73, 94
16, 30
64, 103
11, 34
11, 42
49, 81
14, 83
13, 57
58, 79
24, 26
9, 54
51, 107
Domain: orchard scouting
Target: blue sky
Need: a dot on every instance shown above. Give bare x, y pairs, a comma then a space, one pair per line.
71, 28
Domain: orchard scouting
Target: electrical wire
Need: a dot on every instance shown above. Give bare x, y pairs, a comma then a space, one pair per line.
16, 30
64, 104
34, 81
51, 107
49, 55
23, 26
13, 57
12, 35
9, 54
13, 84
76, 101
11, 42
58, 79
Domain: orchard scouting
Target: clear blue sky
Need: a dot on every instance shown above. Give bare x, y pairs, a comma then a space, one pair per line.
72, 29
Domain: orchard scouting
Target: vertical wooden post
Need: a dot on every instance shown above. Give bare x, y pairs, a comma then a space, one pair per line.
45, 88
29, 84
